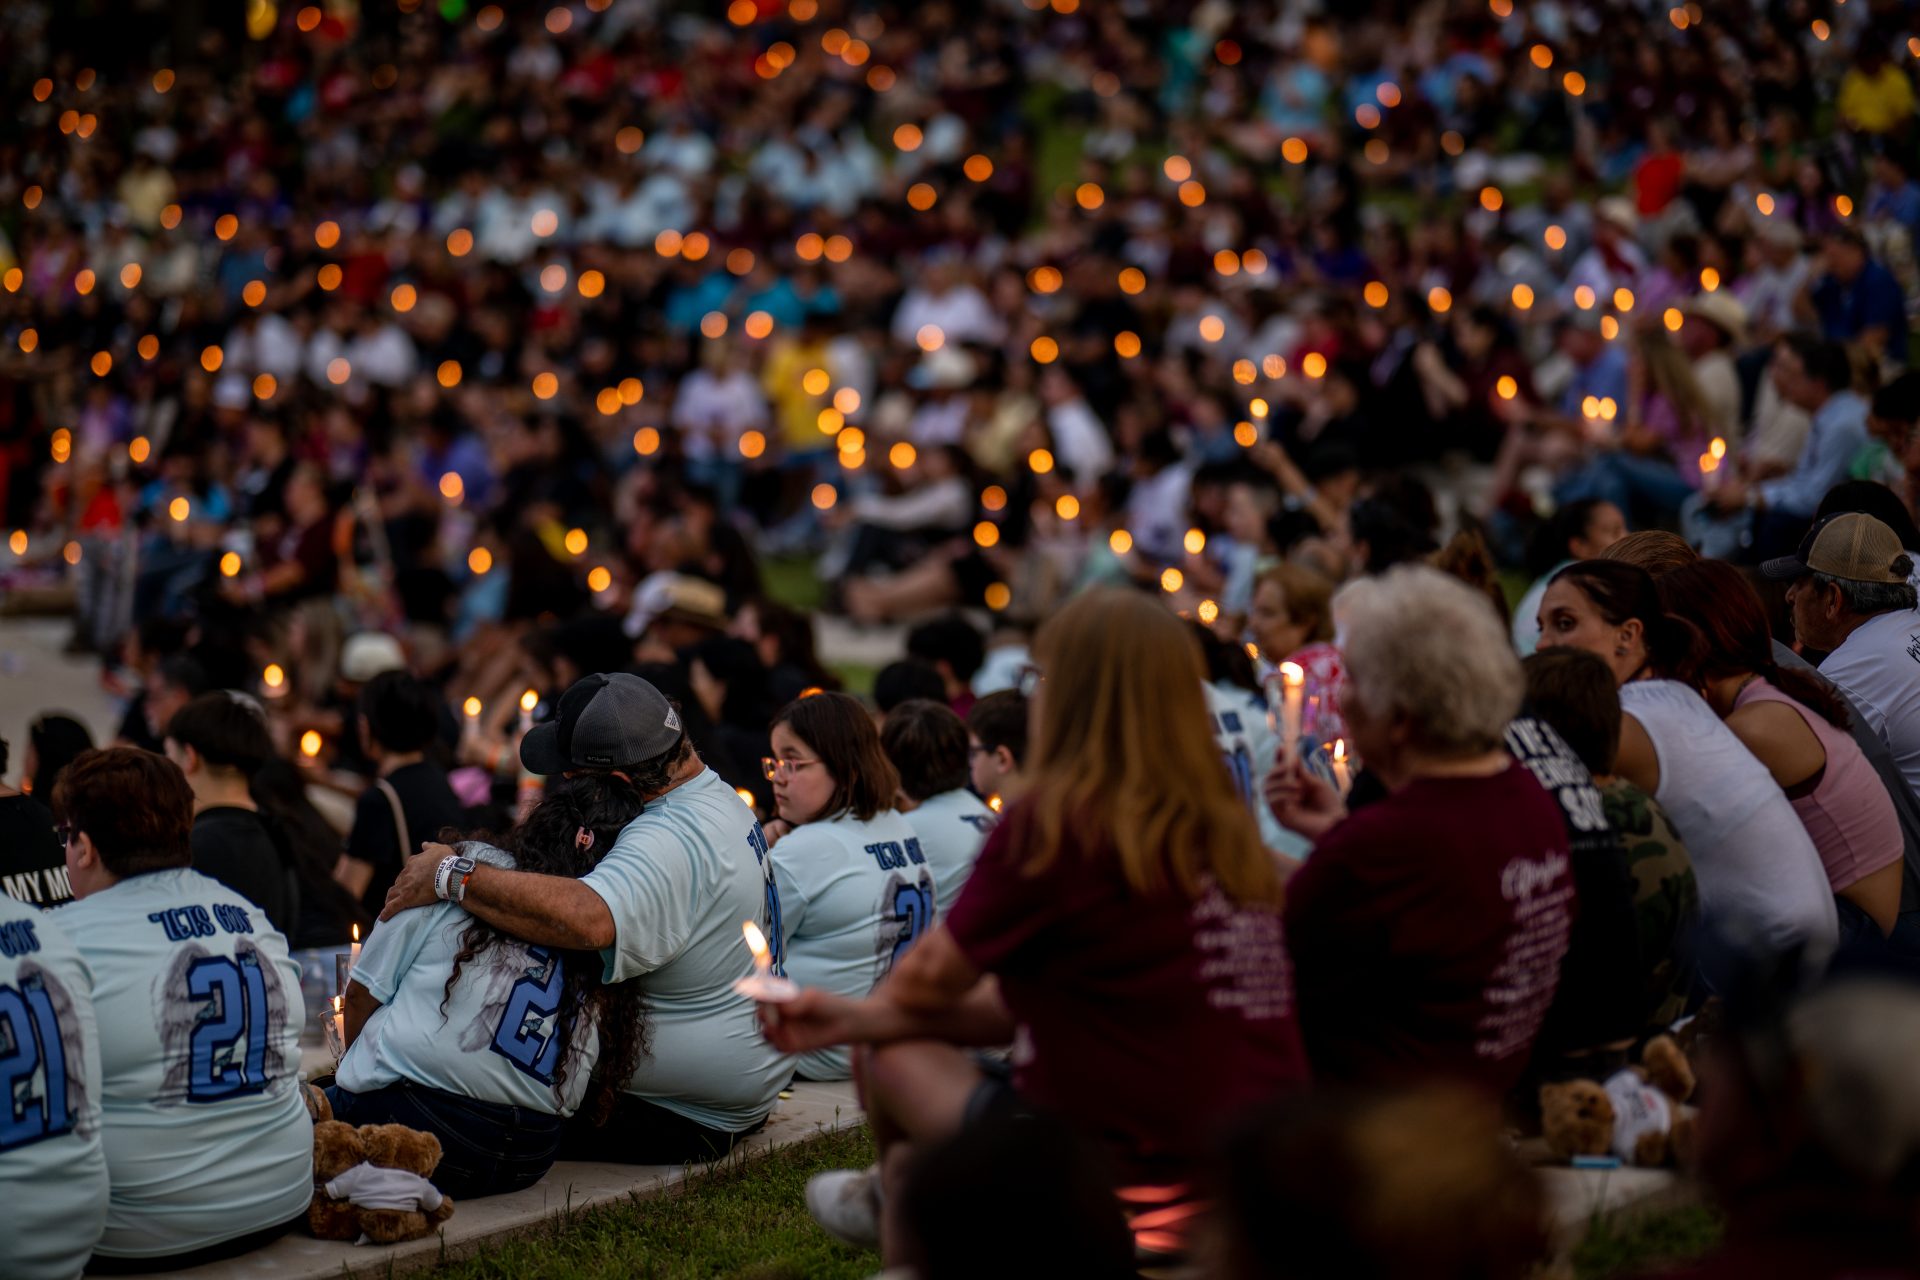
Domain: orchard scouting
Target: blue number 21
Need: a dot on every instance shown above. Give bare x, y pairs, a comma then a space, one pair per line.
227, 1054
913, 908
32, 1041
529, 1035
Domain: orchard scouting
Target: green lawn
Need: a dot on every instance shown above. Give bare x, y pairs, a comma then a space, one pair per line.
746, 1219
749, 1219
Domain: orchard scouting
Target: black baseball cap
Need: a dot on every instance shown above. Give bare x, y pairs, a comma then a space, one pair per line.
603, 722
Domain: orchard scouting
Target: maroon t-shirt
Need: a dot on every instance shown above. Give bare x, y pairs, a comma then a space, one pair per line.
1144, 1021
1427, 932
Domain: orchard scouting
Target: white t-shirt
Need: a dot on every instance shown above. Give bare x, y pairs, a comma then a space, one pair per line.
199, 1009
499, 1039
1250, 746
679, 881
853, 895
952, 828
1878, 666
1757, 868
53, 1170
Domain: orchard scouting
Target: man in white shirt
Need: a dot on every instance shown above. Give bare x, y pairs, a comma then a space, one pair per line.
1851, 597
927, 744
208, 1143
664, 906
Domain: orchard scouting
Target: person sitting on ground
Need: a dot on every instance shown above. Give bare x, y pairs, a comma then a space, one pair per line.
1851, 600
1369, 1186
482, 1040
55, 741
1573, 691
856, 890
410, 801
1579, 530
1797, 727
1427, 938
927, 746
1123, 915
53, 1169
33, 867
664, 906
220, 741
905, 681
955, 648
1760, 877
209, 1147
997, 746
1824, 1188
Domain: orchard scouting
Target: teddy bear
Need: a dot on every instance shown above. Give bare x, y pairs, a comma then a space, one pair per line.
371, 1183
1637, 1114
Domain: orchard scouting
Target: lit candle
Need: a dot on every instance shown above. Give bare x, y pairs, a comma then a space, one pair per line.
340, 1025
995, 803
746, 796
1342, 776
472, 708
763, 985
1293, 692
354, 953
528, 701
310, 743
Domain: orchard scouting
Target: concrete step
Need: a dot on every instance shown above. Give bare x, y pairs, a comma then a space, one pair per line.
569, 1188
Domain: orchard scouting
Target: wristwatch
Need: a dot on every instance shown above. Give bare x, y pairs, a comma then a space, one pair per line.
450, 878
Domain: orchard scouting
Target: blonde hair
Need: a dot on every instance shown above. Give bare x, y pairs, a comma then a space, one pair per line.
1125, 759
1307, 594
1424, 647
1654, 550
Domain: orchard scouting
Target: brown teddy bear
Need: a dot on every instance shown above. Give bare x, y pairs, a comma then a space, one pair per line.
371, 1183
1638, 1115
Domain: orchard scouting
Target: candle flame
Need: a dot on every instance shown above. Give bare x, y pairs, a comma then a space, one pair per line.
756, 940
529, 700
1293, 673
1717, 447
746, 796
310, 743
472, 707
273, 677
356, 933
995, 803
336, 1004
1340, 749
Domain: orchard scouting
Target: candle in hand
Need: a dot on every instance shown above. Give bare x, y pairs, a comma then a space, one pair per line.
763, 985
1293, 689
355, 954
1342, 776
340, 1023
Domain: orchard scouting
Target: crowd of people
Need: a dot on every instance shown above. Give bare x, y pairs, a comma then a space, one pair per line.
1399, 527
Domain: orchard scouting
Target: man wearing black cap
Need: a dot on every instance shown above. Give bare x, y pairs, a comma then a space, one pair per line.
664, 906
1851, 597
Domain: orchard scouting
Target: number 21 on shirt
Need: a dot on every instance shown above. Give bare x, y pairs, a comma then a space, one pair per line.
30, 1046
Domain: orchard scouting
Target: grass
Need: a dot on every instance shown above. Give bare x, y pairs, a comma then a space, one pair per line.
1644, 1242
745, 1218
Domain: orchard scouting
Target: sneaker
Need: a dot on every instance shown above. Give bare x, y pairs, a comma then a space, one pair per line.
846, 1204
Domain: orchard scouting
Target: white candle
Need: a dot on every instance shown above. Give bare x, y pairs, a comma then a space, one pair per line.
340, 1024
1342, 776
1293, 692
354, 955
762, 985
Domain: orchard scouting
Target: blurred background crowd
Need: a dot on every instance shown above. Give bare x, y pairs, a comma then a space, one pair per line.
507, 344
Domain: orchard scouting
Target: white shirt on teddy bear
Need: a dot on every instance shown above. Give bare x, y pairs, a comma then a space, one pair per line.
1638, 1108
369, 1186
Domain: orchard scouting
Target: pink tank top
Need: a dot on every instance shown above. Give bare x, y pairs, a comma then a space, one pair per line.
1848, 814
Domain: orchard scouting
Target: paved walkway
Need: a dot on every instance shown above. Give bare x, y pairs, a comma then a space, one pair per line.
570, 1187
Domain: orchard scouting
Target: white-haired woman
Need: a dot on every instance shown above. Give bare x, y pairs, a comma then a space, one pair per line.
1428, 928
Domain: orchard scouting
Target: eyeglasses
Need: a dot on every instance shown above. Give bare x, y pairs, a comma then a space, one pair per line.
1028, 680
773, 768
67, 833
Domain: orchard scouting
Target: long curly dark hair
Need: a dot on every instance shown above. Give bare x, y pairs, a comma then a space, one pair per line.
550, 841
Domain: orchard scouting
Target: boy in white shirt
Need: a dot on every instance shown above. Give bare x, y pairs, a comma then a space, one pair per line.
927, 745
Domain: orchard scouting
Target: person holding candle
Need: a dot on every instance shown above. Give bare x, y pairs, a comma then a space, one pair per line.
1123, 923
208, 1141
483, 1040
663, 906
1427, 939
856, 889
1759, 873
1291, 620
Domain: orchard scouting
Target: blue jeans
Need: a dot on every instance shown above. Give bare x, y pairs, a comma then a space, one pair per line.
1629, 482
486, 1148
